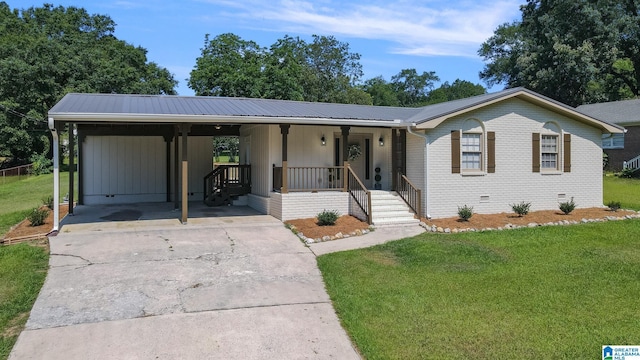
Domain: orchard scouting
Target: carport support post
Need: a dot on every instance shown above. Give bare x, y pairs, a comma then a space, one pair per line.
71, 167
176, 169
284, 130
345, 155
185, 173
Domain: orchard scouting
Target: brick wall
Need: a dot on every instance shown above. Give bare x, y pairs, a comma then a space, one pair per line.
631, 149
514, 121
307, 205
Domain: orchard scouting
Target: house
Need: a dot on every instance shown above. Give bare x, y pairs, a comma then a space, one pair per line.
298, 158
620, 148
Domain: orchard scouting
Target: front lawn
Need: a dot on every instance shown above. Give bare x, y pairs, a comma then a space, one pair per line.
22, 272
547, 292
18, 197
626, 191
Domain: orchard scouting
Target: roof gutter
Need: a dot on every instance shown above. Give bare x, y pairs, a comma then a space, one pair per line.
199, 119
426, 167
56, 177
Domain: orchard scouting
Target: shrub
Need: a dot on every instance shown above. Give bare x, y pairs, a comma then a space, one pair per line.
522, 208
614, 205
465, 212
626, 173
328, 217
37, 216
568, 206
48, 201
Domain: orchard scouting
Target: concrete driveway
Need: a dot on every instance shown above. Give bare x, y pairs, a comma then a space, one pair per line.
218, 288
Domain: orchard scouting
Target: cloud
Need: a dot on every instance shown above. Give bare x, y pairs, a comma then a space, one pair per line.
425, 28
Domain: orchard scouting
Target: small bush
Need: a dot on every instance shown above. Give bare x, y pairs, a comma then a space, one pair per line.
522, 208
37, 216
328, 217
567, 207
626, 173
465, 212
48, 201
614, 205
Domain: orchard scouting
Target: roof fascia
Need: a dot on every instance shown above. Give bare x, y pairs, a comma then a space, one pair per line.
195, 119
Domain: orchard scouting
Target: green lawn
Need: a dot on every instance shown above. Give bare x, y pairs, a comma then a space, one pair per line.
626, 191
22, 272
549, 292
18, 197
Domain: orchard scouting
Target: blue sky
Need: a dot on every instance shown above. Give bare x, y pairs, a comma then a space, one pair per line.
428, 35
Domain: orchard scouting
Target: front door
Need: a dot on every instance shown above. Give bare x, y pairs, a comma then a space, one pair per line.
359, 157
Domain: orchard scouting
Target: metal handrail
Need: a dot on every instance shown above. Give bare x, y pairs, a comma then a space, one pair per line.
409, 193
360, 194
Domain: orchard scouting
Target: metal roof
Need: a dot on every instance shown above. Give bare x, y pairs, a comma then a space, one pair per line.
626, 112
124, 108
220, 108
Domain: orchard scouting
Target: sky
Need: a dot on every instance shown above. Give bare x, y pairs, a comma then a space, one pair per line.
428, 35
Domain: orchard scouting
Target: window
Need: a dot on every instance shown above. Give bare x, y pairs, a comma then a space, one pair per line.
468, 151
613, 141
471, 152
549, 152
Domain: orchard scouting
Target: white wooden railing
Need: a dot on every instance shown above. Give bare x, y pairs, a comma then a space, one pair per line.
632, 164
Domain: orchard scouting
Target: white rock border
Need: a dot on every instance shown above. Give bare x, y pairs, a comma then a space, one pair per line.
437, 229
337, 236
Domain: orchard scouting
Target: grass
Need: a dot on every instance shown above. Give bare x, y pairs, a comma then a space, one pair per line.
22, 272
626, 191
552, 292
18, 197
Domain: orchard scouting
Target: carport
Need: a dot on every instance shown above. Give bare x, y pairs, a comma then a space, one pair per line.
173, 121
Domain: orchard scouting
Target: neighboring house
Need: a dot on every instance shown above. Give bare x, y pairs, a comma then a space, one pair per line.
298, 158
620, 148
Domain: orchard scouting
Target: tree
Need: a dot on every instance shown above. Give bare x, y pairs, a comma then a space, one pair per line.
382, 93
229, 66
411, 88
291, 69
460, 89
573, 51
49, 51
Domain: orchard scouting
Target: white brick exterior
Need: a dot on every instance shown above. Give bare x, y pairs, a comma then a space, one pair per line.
301, 205
513, 122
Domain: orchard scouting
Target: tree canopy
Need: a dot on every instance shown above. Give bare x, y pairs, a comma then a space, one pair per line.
324, 70
573, 51
50, 51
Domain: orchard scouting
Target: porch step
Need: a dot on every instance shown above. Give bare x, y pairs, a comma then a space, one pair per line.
387, 208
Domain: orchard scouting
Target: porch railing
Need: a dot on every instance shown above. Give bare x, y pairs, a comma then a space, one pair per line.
360, 194
633, 164
409, 193
226, 181
308, 178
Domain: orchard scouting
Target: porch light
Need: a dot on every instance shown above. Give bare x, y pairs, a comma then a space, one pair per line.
381, 141
218, 127
323, 141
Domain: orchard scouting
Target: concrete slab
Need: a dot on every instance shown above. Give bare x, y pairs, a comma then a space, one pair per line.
232, 287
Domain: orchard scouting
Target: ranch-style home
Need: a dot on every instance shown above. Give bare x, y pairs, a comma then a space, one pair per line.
298, 158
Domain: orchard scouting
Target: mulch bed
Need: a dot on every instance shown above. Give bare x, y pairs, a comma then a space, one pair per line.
25, 232
484, 221
345, 225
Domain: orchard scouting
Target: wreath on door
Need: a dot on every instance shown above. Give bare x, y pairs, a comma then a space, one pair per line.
354, 152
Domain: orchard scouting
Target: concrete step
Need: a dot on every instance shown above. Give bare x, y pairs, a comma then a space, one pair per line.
395, 221
389, 207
